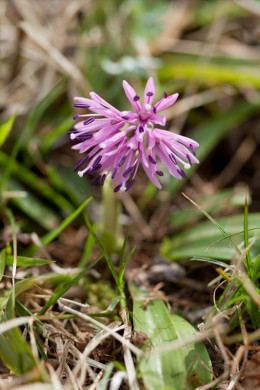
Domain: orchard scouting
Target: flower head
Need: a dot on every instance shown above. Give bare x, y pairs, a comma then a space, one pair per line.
117, 142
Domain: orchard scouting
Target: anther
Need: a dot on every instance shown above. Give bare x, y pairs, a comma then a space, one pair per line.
88, 121
96, 161
83, 137
81, 105
128, 171
173, 158
189, 159
152, 159
182, 173
121, 161
136, 98
129, 184
159, 173
95, 169
114, 173
117, 188
80, 163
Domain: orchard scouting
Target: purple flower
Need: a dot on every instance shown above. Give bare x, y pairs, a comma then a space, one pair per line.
117, 142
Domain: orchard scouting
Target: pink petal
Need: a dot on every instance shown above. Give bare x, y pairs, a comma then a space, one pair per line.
166, 102
104, 103
149, 89
131, 94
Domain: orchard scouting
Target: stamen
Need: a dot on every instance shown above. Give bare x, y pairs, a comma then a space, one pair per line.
189, 159
125, 117
181, 172
83, 137
192, 150
95, 169
159, 173
80, 163
81, 105
129, 184
165, 95
149, 94
152, 159
116, 189
76, 116
88, 121
128, 171
136, 98
81, 173
154, 109
141, 129
114, 173
96, 161
173, 158
122, 160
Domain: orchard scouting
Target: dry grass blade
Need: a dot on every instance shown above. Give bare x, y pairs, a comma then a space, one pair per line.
14, 323
87, 318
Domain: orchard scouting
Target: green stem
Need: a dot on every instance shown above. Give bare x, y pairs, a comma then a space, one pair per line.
110, 227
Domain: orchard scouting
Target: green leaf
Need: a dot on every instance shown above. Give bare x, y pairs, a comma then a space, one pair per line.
205, 240
197, 360
158, 371
5, 129
23, 261
183, 368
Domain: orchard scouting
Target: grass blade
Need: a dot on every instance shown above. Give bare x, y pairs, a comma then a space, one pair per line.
5, 129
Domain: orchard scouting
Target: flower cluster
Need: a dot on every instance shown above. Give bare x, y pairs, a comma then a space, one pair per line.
117, 142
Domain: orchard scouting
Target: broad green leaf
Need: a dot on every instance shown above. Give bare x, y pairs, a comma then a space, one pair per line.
205, 240
158, 371
197, 360
5, 129
184, 368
